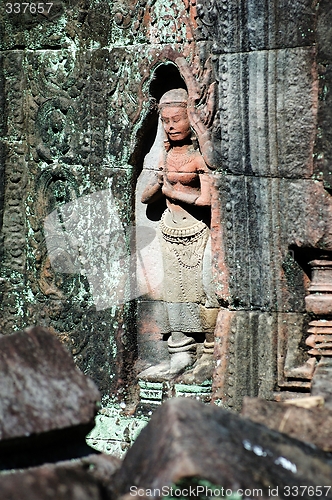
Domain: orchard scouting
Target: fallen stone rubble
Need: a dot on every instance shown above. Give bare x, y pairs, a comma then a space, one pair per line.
81, 479
185, 438
311, 425
47, 406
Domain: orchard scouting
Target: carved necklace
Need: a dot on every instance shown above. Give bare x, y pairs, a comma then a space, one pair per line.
178, 160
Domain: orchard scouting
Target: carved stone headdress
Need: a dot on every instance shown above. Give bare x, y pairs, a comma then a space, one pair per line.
174, 97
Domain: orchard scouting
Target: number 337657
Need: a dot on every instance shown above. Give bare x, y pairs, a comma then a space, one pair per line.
26, 7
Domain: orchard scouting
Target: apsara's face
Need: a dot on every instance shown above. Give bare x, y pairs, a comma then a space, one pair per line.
176, 123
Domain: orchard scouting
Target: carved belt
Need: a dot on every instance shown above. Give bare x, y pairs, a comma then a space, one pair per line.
184, 235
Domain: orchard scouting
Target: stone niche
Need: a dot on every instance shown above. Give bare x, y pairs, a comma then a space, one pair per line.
79, 87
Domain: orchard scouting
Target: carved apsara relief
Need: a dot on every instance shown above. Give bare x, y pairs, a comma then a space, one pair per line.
176, 184
83, 112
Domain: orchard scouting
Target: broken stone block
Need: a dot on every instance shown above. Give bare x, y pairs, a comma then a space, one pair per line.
309, 425
185, 438
86, 479
47, 406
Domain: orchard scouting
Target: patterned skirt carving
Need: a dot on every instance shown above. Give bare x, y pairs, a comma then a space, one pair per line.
188, 290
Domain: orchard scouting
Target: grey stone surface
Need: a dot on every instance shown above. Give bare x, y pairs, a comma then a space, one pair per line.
77, 117
115, 431
253, 351
187, 439
268, 102
309, 425
323, 150
86, 479
249, 25
41, 388
264, 221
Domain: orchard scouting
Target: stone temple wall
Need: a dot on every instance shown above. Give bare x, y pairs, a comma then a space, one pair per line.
77, 119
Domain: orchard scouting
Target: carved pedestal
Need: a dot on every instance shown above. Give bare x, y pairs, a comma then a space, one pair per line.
320, 338
153, 394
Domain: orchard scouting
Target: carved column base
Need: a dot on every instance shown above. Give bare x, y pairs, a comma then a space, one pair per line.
319, 303
320, 338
